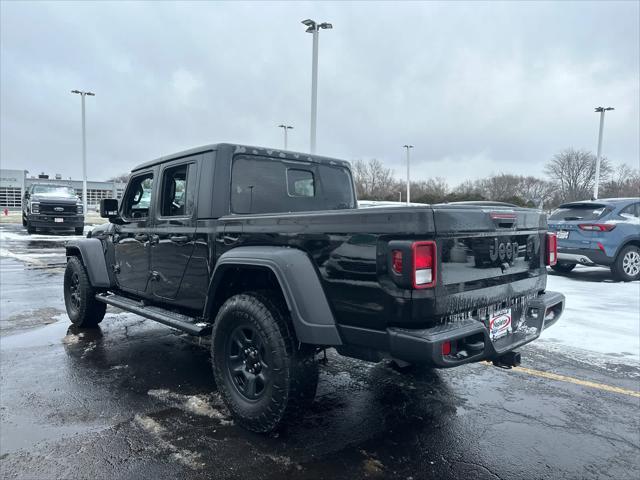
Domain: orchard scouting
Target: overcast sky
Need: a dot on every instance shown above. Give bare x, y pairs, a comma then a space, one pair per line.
477, 88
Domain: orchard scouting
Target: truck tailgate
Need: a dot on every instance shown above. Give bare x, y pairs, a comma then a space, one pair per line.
489, 256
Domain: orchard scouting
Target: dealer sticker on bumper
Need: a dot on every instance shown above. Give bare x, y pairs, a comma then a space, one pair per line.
500, 324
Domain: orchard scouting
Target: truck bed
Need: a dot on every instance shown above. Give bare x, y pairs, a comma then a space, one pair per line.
350, 249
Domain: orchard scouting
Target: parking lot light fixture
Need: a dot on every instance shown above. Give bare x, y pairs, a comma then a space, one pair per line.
314, 28
408, 148
601, 111
84, 150
285, 127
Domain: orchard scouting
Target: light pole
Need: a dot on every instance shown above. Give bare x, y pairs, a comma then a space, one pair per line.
314, 28
285, 128
84, 152
601, 111
408, 147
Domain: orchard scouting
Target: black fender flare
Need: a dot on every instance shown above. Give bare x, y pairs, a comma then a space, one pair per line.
93, 257
311, 314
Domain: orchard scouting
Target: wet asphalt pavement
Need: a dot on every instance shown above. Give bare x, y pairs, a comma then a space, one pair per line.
135, 399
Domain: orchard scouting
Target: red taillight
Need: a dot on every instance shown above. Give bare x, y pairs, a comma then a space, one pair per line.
396, 261
552, 249
597, 227
424, 264
446, 347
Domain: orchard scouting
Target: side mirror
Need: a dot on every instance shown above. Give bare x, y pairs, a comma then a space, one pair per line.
26, 195
109, 208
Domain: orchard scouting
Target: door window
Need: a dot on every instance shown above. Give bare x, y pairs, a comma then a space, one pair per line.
176, 197
137, 201
631, 211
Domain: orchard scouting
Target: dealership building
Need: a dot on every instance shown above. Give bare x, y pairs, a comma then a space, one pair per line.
13, 184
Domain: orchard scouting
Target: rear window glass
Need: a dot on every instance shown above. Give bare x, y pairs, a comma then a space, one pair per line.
269, 185
579, 212
300, 183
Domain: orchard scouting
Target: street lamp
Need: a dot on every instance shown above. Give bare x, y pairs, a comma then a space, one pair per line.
314, 28
601, 111
285, 128
84, 152
408, 147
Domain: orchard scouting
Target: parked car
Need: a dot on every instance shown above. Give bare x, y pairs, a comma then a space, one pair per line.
53, 207
266, 252
602, 232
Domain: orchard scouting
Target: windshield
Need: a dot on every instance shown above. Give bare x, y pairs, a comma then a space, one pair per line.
579, 212
54, 191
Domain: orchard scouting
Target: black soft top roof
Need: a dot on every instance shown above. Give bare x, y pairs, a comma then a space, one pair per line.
233, 149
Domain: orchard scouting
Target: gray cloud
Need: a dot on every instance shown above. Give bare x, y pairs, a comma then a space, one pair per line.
477, 88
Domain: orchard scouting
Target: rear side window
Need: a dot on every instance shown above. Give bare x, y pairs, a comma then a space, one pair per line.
176, 195
580, 212
631, 211
270, 185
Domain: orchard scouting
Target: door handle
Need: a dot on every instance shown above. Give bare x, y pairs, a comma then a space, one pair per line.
179, 239
141, 237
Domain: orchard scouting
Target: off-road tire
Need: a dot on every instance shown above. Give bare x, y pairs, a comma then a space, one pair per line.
79, 296
626, 267
563, 267
292, 373
30, 229
79, 230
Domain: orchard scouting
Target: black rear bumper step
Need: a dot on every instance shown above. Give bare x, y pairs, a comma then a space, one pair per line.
185, 323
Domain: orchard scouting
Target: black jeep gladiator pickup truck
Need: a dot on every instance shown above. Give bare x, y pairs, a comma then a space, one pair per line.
53, 207
267, 252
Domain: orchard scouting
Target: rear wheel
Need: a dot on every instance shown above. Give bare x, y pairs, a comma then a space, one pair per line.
79, 296
563, 267
626, 267
263, 374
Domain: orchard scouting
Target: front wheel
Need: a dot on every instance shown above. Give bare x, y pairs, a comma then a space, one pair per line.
262, 373
79, 230
563, 267
626, 267
30, 229
80, 297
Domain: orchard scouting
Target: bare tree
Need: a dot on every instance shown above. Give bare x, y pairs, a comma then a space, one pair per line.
373, 180
625, 182
535, 191
122, 178
573, 171
433, 190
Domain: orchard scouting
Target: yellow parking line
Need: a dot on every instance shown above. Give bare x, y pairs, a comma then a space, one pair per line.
577, 381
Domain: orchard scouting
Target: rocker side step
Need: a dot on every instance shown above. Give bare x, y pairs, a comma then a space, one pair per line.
166, 317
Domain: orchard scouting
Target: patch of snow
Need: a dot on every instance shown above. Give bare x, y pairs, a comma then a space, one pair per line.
184, 456
206, 406
72, 339
150, 425
601, 321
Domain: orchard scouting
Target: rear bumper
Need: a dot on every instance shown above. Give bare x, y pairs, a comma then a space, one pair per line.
48, 221
425, 346
583, 256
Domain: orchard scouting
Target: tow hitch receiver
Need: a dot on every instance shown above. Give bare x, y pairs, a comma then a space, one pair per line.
508, 360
